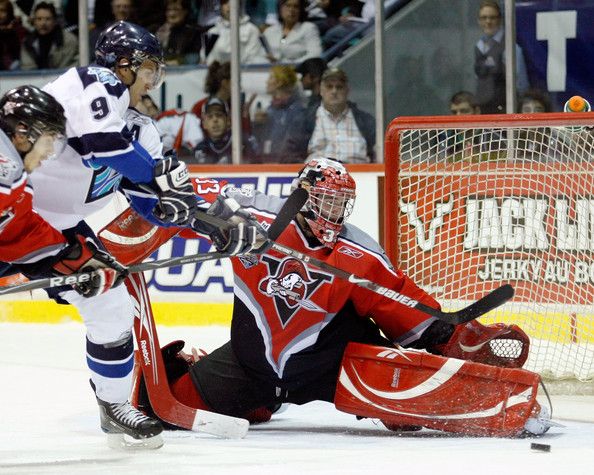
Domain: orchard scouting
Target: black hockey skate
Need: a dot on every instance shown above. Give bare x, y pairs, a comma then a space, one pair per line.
126, 427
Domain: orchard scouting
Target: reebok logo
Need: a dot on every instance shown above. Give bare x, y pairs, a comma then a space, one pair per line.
145, 353
349, 251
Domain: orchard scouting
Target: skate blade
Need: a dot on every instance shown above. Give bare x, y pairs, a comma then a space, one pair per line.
127, 443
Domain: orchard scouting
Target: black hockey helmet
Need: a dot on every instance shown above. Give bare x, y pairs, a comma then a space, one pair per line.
31, 111
130, 41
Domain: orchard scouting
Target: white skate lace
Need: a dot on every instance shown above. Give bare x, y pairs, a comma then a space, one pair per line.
128, 414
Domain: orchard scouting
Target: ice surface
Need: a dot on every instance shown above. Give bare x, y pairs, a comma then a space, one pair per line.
50, 425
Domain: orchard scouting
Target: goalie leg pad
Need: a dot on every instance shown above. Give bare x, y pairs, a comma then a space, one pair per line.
414, 388
497, 344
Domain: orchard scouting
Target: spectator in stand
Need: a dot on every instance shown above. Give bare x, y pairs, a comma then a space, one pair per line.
120, 10
489, 61
250, 46
293, 39
353, 14
180, 131
452, 141
534, 101
216, 146
274, 125
218, 83
337, 128
262, 12
48, 46
23, 10
208, 12
99, 13
464, 103
11, 35
311, 71
324, 13
181, 40
151, 14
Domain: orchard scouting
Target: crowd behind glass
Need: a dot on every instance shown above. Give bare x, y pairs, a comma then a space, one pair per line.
308, 111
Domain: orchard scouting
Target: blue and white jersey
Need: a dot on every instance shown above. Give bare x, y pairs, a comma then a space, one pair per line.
142, 129
100, 151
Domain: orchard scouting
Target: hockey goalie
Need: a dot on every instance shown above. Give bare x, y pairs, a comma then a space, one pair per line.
299, 334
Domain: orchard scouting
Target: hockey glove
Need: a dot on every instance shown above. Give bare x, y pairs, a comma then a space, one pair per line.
177, 200
245, 236
83, 255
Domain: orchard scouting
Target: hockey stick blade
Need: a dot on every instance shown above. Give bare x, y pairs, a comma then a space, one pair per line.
482, 306
164, 403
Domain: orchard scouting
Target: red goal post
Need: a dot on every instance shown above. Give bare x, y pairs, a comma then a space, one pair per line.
473, 202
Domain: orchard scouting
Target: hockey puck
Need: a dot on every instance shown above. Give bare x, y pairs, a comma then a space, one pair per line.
540, 447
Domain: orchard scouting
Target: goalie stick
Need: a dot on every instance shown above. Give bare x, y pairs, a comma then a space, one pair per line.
163, 402
485, 304
292, 205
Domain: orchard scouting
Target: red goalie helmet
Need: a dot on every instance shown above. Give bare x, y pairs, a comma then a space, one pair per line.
331, 197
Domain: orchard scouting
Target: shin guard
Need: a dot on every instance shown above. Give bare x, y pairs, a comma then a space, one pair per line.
414, 388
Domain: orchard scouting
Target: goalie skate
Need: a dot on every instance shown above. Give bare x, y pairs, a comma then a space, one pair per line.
127, 428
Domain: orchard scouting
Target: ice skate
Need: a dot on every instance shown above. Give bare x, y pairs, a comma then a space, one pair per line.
128, 428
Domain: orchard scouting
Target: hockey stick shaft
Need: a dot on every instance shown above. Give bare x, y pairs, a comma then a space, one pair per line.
487, 303
288, 211
61, 280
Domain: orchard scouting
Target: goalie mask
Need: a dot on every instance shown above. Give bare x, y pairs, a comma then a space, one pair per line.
331, 197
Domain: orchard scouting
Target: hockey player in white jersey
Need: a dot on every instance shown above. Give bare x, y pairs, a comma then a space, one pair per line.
84, 178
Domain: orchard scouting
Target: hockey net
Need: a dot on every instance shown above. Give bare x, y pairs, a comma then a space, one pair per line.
478, 201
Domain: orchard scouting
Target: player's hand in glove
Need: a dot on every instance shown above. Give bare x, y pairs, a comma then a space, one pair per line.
177, 200
83, 255
245, 236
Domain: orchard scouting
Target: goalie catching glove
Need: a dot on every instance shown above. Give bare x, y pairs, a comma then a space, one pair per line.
177, 200
244, 236
83, 255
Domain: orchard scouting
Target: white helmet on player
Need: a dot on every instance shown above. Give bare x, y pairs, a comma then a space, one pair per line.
331, 197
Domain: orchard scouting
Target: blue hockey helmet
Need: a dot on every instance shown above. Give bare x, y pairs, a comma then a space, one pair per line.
125, 40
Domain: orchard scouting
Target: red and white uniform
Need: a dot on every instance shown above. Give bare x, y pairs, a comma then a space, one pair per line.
25, 236
282, 304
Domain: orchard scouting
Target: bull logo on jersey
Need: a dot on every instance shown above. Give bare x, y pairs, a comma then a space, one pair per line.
291, 286
427, 241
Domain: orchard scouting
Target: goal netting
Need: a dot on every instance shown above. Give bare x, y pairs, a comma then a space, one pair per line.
476, 202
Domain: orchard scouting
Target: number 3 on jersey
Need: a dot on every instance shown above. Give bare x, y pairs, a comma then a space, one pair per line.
100, 108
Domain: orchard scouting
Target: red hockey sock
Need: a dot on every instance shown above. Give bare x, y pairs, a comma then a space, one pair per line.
185, 392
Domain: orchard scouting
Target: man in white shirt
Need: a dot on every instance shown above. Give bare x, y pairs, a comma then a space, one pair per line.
337, 128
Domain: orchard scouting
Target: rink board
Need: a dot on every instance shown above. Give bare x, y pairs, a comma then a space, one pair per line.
573, 327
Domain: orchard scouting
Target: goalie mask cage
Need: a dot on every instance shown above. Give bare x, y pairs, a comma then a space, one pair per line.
474, 202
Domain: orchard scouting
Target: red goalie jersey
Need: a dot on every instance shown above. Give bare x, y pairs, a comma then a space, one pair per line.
282, 305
